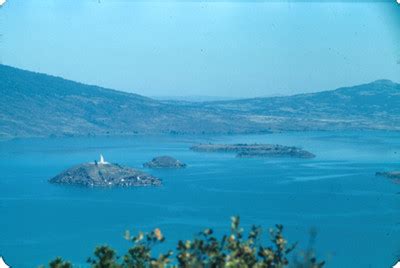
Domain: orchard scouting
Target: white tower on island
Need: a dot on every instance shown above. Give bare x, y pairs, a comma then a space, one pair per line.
3, 264
102, 161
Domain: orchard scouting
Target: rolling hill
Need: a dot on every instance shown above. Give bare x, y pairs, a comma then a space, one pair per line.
40, 105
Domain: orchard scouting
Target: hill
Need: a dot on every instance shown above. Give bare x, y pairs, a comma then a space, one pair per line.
34, 104
37, 105
374, 105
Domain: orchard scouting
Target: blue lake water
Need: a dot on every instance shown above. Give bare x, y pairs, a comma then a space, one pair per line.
356, 215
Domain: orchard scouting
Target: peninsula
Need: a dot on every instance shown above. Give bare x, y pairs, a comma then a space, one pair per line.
255, 150
104, 174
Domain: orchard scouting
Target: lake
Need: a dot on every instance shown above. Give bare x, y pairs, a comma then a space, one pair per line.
355, 213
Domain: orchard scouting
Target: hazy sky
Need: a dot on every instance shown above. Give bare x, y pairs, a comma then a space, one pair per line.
226, 48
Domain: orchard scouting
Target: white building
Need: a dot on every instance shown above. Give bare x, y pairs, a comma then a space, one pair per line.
101, 161
3, 264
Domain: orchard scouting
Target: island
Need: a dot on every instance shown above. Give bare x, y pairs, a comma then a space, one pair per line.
255, 150
104, 174
164, 162
394, 175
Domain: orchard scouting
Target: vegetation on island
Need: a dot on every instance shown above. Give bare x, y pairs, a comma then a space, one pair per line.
104, 175
234, 250
244, 150
164, 162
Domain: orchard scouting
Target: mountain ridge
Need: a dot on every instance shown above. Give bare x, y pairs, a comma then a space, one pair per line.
40, 105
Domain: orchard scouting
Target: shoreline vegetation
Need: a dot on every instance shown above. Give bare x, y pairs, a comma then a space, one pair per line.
234, 250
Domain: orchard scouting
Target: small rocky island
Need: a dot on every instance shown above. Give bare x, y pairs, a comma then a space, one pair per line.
104, 174
394, 175
164, 162
255, 150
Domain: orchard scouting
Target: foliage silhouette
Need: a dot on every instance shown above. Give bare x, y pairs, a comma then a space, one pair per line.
204, 251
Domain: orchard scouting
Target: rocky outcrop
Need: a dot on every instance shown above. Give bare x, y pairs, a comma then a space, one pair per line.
255, 150
105, 175
164, 162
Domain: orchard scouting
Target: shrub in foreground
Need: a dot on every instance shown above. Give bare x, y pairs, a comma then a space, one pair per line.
233, 250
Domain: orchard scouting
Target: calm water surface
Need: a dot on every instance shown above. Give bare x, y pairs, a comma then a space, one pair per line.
356, 214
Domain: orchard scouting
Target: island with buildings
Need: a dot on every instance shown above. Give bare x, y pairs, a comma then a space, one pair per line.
104, 174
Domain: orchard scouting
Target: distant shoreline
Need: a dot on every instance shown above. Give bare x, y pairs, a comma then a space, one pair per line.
184, 135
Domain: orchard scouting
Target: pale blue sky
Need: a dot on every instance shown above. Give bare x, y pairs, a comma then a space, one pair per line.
229, 48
